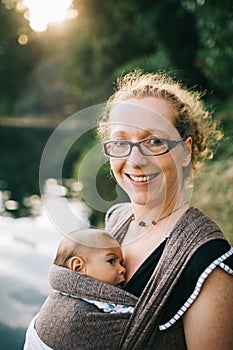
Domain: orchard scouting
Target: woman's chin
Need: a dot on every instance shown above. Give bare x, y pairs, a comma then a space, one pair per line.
146, 201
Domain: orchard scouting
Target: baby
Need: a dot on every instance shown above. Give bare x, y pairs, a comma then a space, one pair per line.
85, 258
93, 253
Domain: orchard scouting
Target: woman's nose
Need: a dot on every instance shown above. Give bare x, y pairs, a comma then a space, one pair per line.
136, 158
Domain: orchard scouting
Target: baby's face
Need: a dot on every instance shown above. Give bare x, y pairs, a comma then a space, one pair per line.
106, 265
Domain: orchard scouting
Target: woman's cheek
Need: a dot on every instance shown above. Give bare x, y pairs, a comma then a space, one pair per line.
116, 166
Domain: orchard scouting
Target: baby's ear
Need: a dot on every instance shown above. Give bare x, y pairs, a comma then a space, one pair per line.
77, 264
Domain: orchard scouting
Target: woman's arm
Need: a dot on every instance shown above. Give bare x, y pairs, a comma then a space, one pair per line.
208, 323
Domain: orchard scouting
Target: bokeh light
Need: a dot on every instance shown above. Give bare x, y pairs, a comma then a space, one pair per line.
23, 39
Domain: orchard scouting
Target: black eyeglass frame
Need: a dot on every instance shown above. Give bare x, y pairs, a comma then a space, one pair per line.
170, 145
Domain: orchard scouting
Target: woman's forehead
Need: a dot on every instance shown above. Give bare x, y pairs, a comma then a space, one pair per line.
154, 118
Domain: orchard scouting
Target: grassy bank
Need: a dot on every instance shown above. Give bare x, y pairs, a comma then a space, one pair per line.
213, 193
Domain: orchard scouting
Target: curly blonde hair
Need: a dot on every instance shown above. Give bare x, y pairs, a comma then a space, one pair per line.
191, 117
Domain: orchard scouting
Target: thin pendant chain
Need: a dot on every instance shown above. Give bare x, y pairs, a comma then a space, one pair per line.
143, 224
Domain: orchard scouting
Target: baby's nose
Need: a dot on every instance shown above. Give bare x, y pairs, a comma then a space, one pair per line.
122, 269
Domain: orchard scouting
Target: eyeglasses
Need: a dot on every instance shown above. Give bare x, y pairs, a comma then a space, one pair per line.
148, 147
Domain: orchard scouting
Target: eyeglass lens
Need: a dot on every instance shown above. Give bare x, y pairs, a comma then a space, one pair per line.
147, 147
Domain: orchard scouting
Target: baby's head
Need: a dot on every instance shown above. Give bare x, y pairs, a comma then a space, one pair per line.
94, 253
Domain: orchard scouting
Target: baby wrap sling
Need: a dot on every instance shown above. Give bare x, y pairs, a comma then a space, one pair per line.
192, 231
66, 321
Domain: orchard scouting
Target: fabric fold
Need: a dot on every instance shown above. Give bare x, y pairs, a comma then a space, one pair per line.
66, 321
73, 283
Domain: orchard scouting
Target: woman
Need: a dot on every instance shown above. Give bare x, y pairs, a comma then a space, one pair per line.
178, 262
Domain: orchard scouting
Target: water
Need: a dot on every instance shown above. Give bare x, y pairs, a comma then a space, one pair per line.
27, 249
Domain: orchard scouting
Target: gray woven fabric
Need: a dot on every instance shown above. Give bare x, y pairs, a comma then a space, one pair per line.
190, 233
67, 322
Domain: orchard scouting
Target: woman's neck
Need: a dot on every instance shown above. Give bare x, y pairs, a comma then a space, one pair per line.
148, 215
155, 229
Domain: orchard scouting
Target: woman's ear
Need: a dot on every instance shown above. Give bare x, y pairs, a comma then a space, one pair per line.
187, 152
77, 264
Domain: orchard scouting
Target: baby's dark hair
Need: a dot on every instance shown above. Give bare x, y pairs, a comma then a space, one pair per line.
81, 243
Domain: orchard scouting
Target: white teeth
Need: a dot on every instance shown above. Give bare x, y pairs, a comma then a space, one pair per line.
140, 178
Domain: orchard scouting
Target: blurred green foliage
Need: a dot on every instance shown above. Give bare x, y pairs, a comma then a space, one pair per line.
213, 193
64, 70
16, 61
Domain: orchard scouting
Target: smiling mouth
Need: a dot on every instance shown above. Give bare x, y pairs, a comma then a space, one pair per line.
142, 179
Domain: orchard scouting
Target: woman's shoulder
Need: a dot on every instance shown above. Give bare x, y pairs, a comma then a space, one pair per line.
117, 208
213, 307
213, 254
117, 213
198, 219
193, 229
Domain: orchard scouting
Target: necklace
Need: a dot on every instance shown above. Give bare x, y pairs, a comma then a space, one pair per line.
143, 224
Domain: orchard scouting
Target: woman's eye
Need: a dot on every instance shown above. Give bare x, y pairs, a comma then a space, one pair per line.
155, 142
112, 261
120, 143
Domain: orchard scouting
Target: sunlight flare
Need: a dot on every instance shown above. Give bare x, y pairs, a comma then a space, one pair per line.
41, 13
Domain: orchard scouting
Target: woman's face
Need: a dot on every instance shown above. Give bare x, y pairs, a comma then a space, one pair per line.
148, 180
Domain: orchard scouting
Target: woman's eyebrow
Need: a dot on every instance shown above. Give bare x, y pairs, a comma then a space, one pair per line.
119, 132
149, 133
